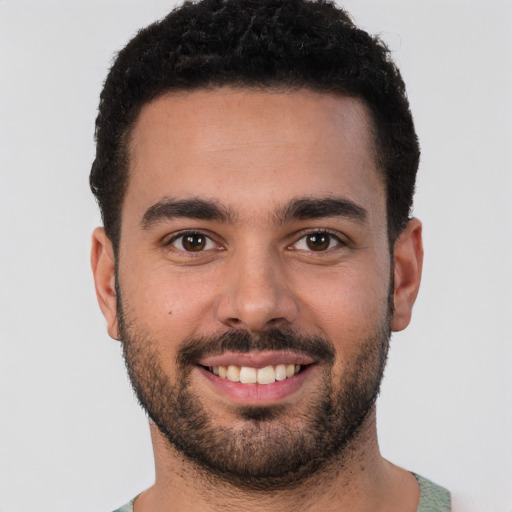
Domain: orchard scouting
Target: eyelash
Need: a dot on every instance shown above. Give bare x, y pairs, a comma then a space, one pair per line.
332, 237
183, 234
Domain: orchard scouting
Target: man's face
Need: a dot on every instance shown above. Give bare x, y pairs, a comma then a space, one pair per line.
254, 236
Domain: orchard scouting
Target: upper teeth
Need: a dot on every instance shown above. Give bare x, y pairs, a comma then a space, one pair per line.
248, 375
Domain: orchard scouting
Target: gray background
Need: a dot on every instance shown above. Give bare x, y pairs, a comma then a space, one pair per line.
71, 433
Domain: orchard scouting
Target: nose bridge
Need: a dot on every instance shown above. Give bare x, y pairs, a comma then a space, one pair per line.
257, 294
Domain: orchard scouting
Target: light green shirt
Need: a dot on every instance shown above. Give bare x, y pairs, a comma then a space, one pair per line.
433, 498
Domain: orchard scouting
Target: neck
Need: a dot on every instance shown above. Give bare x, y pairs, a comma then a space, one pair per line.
359, 479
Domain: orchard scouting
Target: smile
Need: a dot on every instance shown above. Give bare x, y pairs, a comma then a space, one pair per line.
248, 375
257, 377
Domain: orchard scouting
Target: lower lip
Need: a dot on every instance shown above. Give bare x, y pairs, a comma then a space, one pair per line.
257, 394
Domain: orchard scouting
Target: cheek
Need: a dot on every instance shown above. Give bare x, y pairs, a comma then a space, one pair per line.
164, 303
349, 303
353, 314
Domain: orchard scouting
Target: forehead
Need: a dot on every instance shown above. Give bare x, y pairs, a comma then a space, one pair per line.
252, 149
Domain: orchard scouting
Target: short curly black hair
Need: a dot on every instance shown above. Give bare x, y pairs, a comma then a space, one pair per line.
286, 44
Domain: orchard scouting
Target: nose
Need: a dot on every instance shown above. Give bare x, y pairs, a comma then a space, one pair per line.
257, 294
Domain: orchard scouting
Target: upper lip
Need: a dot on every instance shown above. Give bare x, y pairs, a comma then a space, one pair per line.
256, 359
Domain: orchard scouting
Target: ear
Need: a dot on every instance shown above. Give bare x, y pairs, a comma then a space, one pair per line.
103, 269
408, 262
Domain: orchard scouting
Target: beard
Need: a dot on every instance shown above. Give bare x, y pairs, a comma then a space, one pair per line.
269, 447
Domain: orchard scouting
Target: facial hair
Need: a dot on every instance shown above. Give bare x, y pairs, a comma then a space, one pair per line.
269, 451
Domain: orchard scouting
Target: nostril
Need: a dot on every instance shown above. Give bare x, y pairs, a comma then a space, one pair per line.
255, 326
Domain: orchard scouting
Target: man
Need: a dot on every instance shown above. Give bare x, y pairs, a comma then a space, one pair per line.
255, 170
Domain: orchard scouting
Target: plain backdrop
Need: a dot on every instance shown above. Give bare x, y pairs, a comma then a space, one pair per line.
71, 433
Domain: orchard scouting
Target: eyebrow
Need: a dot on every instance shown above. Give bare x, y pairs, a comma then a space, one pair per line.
200, 209
297, 209
318, 208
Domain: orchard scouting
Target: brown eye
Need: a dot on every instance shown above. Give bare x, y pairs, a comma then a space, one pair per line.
318, 241
192, 242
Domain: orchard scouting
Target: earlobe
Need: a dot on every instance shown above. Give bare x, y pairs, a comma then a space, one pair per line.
103, 268
408, 263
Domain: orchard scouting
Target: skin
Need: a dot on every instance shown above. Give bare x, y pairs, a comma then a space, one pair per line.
254, 152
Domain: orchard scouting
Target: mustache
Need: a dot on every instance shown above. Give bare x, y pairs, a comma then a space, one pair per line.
316, 347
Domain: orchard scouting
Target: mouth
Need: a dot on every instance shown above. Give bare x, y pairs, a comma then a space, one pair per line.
251, 375
257, 378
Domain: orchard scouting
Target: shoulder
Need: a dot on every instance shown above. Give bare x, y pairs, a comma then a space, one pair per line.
433, 497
